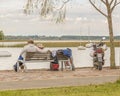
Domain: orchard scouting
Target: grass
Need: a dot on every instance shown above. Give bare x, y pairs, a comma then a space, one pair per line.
63, 44
108, 89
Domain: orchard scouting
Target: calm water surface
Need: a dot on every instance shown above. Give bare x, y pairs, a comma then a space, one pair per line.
81, 58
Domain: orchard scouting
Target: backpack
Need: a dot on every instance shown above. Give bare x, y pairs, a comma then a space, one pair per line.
20, 58
67, 52
15, 66
54, 66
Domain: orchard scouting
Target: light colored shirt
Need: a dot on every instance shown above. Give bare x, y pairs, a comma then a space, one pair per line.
31, 48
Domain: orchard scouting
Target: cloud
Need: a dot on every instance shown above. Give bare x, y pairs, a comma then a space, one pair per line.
80, 15
78, 19
12, 4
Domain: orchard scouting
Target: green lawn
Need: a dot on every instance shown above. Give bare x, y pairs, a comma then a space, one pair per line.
109, 89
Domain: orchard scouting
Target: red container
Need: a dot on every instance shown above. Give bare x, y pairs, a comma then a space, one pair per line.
54, 66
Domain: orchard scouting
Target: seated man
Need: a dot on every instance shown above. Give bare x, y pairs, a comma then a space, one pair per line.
30, 47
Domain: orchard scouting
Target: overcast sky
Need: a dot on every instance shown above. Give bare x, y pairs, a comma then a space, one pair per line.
81, 19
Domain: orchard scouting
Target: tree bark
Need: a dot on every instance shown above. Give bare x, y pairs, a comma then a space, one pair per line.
112, 48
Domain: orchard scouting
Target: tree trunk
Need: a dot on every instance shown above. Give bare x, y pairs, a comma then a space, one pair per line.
112, 48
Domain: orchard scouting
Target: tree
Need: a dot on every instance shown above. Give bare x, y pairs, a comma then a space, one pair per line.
1, 35
107, 12
58, 8
50, 8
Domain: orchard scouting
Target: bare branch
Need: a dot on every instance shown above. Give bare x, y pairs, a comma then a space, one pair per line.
28, 7
103, 1
112, 8
97, 8
62, 12
117, 3
64, 3
111, 2
47, 7
114, 5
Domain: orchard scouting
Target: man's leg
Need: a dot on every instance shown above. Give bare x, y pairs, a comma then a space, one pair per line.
72, 64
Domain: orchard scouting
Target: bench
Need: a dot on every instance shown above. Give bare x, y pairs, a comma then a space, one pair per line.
32, 57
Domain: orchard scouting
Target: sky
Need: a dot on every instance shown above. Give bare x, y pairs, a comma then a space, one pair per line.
81, 19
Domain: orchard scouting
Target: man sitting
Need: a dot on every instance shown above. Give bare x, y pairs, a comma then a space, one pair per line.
30, 47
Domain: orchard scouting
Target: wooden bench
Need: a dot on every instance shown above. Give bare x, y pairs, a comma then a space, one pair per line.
32, 57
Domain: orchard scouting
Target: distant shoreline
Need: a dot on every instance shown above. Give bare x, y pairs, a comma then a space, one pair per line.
54, 43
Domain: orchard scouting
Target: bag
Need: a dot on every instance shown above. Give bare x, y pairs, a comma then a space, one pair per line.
20, 58
20, 65
67, 52
54, 66
20, 61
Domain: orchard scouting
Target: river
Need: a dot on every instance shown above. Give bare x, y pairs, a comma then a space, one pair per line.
81, 58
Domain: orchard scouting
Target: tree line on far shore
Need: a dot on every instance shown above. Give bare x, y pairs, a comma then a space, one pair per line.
65, 37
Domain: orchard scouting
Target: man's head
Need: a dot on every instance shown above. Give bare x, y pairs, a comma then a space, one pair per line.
30, 42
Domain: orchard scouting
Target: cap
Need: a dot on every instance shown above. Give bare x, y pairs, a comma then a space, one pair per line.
40, 46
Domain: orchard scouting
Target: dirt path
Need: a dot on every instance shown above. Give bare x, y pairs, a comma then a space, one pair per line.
42, 78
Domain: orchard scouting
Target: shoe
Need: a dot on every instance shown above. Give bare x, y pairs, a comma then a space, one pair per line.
15, 68
68, 67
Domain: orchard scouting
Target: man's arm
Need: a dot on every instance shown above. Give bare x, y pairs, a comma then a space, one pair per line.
42, 50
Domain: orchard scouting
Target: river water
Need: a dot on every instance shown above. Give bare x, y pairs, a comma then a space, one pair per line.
81, 58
